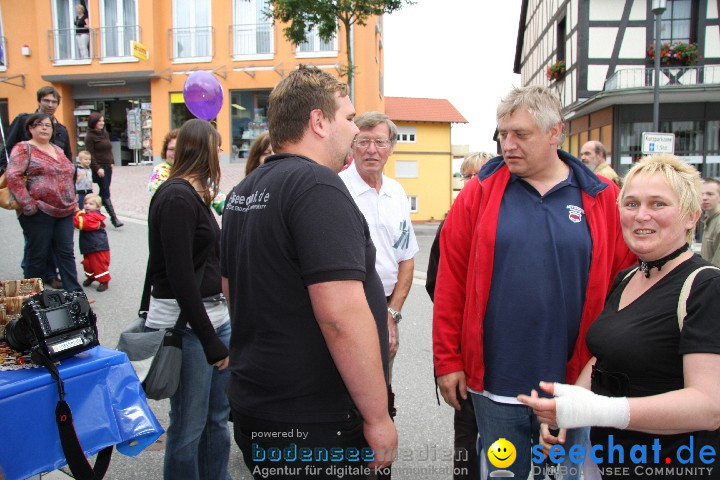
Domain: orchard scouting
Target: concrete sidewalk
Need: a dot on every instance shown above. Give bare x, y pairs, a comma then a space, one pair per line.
130, 194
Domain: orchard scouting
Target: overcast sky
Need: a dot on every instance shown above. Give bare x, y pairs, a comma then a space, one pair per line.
462, 50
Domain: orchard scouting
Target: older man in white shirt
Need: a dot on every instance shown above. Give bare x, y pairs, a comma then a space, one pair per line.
386, 208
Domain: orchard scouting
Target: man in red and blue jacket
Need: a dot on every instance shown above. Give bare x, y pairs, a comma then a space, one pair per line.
528, 253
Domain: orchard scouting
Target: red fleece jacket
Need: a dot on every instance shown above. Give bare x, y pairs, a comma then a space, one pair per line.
467, 246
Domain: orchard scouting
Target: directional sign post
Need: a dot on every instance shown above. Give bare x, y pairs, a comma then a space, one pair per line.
658, 143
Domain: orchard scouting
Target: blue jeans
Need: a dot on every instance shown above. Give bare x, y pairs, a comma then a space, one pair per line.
50, 272
518, 424
515, 423
45, 235
81, 198
198, 438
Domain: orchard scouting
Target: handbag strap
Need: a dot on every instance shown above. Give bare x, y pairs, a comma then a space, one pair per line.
685, 294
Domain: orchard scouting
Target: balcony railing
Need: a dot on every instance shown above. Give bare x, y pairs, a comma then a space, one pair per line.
115, 41
669, 76
191, 42
65, 45
251, 40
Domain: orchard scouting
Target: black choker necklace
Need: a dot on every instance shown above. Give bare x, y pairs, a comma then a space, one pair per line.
645, 267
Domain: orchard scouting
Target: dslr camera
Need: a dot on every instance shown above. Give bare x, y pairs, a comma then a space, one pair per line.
56, 323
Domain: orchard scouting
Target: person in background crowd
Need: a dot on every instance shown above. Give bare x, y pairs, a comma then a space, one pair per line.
594, 155
260, 149
184, 270
653, 378
83, 177
102, 162
469, 168
466, 432
528, 253
710, 249
47, 198
94, 244
386, 209
82, 32
48, 99
162, 170
309, 348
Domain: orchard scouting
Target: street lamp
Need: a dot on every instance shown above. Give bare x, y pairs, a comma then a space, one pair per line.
658, 7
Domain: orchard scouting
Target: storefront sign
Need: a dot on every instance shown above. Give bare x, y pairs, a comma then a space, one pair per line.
658, 143
139, 50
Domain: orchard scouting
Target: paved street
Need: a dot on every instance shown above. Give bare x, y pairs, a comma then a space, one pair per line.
425, 428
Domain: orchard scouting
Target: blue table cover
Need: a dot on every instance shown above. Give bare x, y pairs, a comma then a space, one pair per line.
107, 401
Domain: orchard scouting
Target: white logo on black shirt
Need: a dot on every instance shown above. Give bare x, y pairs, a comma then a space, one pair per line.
240, 203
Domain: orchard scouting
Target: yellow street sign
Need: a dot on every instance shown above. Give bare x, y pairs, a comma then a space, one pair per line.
139, 50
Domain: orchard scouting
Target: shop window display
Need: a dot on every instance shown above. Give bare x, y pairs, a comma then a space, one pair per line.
248, 116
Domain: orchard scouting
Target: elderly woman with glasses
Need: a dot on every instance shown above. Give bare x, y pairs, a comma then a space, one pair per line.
40, 177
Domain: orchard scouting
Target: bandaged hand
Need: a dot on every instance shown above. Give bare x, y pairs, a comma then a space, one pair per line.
575, 406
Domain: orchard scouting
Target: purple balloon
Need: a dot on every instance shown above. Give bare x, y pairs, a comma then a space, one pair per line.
203, 95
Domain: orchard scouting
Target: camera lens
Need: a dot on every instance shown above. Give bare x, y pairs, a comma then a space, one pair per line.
18, 335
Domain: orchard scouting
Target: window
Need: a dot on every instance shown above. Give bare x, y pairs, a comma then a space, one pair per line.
561, 32
712, 169
317, 47
406, 169
179, 113
192, 30
4, 119
3, 46
677, 22
406, 134
247, 118
689, 140
413, 200
66, 44
252, 32
119, 27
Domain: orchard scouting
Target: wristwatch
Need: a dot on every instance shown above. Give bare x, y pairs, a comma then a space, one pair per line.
395, 315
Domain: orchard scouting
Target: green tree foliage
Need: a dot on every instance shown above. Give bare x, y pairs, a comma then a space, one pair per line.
302, 15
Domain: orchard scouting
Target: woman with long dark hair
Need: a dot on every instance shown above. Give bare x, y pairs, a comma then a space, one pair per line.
97, 142
184, 270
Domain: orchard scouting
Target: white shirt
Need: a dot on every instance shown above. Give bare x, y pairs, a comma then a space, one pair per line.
387, 213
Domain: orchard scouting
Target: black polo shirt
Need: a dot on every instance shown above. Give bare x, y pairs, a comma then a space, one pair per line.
290, 224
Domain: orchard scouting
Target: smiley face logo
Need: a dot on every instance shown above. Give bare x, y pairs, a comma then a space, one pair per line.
502, 453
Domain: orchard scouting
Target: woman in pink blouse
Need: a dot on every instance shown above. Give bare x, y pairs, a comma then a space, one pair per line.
40, 178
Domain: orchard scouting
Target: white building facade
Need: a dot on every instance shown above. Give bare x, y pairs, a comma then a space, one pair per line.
607, 82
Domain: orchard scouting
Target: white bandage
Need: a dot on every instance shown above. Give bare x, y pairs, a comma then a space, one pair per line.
579, 407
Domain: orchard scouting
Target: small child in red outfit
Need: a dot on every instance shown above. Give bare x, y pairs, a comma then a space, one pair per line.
93, 242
